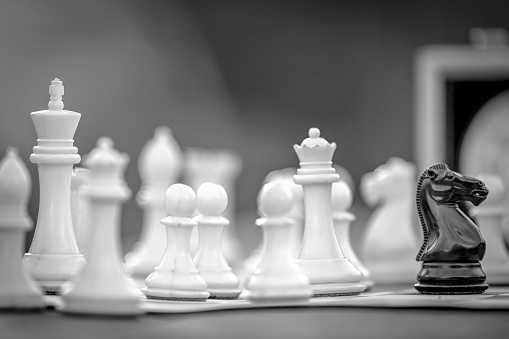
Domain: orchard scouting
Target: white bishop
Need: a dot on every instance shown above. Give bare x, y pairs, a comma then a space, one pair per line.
17, 289
159, 165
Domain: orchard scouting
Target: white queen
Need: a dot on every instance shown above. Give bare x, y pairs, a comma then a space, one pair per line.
321, 258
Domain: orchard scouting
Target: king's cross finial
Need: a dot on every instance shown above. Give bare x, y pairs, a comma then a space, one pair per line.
56, 90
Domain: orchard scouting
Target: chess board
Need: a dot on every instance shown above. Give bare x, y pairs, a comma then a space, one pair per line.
496, 298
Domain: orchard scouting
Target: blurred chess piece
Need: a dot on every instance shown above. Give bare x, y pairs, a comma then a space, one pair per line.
341, 202
176, 277
211, 202
102, 287
222, 167
17, 290
296, 212
321, 257
277, 276
489, 217
53, 260
159, 165
390, 241
79, 208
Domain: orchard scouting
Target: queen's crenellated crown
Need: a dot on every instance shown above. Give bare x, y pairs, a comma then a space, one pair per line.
315, 149
105, 161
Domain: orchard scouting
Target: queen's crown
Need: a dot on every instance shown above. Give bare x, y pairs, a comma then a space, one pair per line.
315, 149
105, 161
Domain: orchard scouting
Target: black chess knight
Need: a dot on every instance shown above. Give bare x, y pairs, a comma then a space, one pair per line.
453, 246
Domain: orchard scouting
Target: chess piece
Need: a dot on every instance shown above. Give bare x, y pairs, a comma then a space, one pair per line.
159, 165
176, 277
53, 257
321, 258
296, 212
80, 209
102, 287
277, 276
222, 167
285, 177
17, 290
453, 246
391, 236
209, 259
341, 201
489, 217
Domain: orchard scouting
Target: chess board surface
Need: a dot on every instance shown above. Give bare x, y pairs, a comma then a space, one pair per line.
386, 312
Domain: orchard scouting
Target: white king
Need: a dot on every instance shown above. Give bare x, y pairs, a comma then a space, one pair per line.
53, 257
321, 258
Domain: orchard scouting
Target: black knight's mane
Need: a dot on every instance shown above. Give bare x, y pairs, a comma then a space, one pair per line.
419, 207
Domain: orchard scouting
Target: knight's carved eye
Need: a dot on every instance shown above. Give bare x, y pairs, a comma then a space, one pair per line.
431, 174
449, 176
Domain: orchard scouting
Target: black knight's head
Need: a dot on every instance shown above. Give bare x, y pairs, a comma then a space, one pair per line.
449, 187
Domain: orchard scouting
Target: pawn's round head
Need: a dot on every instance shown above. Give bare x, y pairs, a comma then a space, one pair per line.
341, 196
211, 199
275, 199
180, 200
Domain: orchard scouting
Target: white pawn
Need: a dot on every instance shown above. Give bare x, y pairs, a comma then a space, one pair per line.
489, 217
176, 277
277, 276
222, 167
102, 287
342, 219
296, 212
17, 290
209, 259
159, 165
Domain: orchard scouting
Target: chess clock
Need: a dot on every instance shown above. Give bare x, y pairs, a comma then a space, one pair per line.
461, 100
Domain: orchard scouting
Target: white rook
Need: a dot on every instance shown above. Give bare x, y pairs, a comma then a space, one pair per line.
321, 258
53, 257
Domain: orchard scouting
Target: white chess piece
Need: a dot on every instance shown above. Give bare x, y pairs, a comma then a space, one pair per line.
342, 218
489, 218
296, 212
391, 238
277, 276
285, 176
102, 287
209, 259
79, 209
176, 277
53, 257
222, 167
159, 165
321, 257
17, 290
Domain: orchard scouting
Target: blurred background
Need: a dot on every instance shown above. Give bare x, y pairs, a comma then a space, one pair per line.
250, 76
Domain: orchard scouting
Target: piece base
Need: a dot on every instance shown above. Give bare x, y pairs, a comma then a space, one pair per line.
337, 289
51, 271
450, 289
178, 295
224, 293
